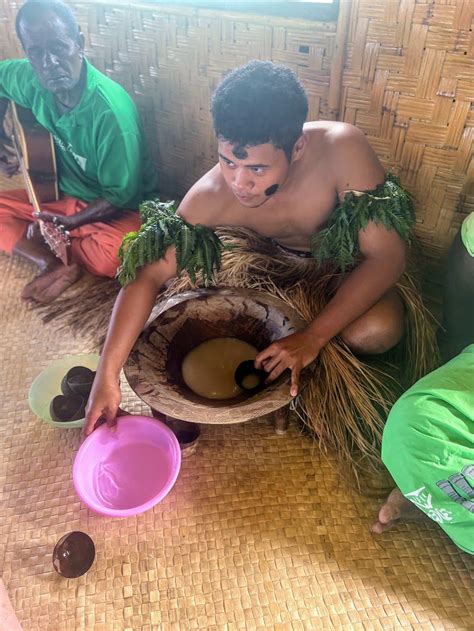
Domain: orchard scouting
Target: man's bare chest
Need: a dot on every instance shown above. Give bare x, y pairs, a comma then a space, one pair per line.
289, 220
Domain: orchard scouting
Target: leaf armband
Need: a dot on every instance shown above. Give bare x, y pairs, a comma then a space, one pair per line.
389, 204
198, 248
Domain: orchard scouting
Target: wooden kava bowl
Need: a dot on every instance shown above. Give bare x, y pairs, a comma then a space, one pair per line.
154, 366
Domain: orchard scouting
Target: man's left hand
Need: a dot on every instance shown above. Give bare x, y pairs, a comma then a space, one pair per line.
294, 352
68, 223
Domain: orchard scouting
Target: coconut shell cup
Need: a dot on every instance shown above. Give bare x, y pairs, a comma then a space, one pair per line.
73, 554
78, 380
249, 378
67, 408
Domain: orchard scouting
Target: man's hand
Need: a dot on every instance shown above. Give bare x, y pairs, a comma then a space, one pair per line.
294, 352
9, 164
104, 401
68, 223
98, 210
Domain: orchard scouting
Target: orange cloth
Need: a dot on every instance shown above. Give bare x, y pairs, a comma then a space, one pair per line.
94, 246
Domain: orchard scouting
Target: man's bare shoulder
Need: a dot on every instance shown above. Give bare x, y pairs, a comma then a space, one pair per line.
206, 199
348, 153
334, 133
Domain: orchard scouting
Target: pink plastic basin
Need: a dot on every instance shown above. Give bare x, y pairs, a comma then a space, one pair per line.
128, 471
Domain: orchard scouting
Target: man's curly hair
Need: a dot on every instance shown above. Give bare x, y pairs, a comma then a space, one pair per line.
258, 103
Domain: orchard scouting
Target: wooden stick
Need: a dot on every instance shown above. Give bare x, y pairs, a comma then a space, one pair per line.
337, 66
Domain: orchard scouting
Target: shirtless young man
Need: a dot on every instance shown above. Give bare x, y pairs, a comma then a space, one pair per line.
282, 179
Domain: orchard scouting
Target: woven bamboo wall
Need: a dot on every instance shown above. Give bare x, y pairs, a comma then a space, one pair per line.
408, 83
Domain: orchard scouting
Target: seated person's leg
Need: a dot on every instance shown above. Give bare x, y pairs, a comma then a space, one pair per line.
428, 447
95, 246
458, 321
16, 214
379, 329
15, 218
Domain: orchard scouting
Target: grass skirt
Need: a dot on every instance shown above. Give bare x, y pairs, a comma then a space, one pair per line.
347, 400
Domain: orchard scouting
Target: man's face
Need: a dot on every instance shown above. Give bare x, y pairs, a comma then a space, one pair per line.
253, 174
56, 57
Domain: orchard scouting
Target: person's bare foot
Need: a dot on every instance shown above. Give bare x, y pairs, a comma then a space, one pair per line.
396, 508
51, 283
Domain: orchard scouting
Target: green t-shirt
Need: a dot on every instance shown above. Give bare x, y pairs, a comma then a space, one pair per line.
100, 149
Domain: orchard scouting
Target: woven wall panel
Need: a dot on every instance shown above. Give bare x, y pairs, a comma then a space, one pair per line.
9, 45
408, 83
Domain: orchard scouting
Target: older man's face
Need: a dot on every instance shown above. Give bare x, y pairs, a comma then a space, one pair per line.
55, 55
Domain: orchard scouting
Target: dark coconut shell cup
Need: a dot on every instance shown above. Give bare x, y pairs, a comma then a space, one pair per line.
78, 380
249, 378
74, 554
67, 408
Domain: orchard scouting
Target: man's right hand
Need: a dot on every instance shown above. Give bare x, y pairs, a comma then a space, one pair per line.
9, 164
132, 308
103, 404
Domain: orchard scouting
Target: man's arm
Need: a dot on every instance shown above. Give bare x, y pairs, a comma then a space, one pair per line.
356, 167
131, 310
15, 85
98, 210
352, 160
383, 263
130, 313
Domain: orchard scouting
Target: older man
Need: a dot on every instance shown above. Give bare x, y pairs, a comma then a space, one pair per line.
103, 166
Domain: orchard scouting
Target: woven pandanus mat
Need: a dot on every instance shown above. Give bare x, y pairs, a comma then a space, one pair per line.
258, 533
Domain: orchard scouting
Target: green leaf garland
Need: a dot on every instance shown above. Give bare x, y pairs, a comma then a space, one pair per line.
389, 204
198, 248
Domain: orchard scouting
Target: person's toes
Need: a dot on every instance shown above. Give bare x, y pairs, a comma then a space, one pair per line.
388, 513
387, 517
28, 291
31, 291
378, 527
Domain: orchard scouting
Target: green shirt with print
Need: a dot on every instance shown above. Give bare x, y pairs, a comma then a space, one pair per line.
428, 447
100, 148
